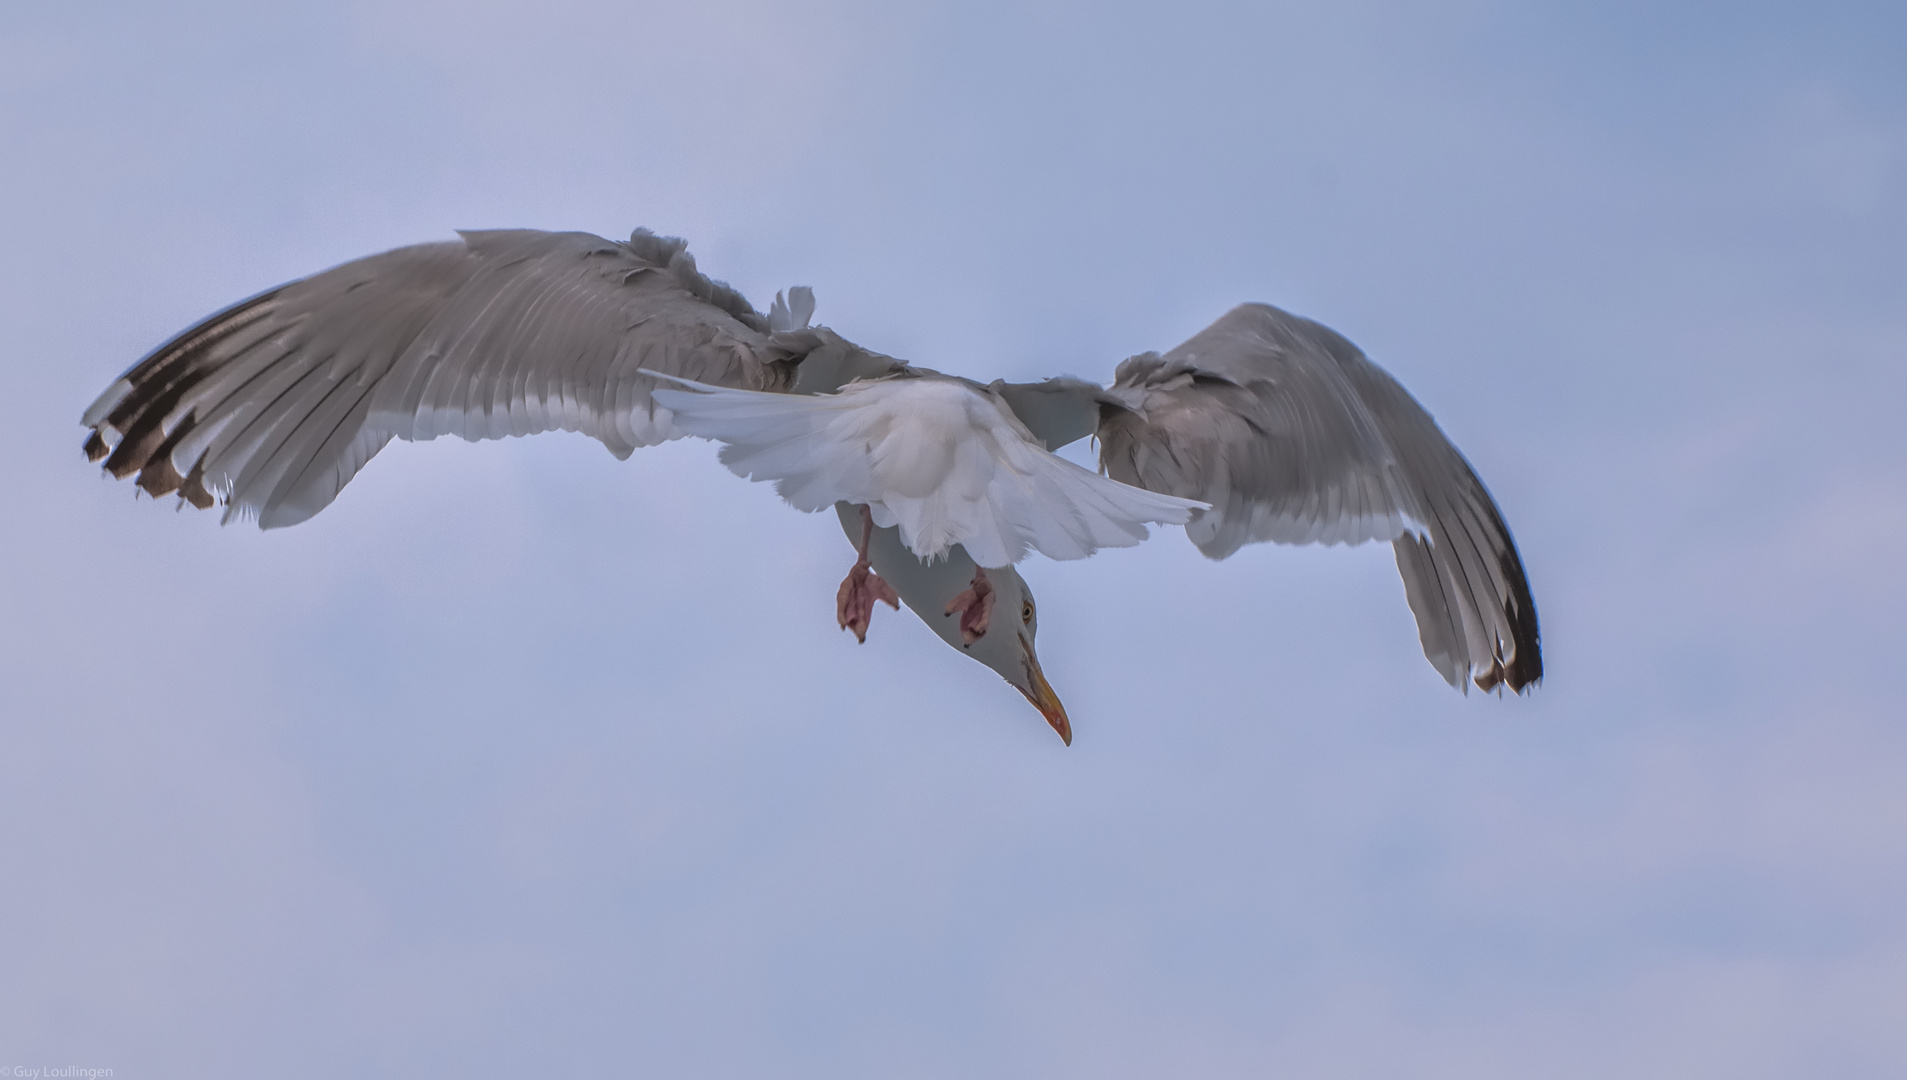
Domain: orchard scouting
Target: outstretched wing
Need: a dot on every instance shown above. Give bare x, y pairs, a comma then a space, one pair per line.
1294, 437
940, 457
272, 405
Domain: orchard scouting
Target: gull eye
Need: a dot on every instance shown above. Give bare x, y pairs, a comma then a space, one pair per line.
1026, 612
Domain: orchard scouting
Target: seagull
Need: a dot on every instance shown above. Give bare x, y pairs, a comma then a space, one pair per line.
1265, 426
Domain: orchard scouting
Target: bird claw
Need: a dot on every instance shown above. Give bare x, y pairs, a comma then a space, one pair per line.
854, 603
975, 607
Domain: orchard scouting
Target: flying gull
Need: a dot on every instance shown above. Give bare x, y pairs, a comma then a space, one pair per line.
1264, 426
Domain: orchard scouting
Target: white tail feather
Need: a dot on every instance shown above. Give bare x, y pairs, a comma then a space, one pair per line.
943, 460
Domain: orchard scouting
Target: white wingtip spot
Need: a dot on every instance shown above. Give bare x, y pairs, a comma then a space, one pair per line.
104, 404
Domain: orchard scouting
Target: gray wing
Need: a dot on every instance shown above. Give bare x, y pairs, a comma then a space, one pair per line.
1294, 437
272, 405
1057, 411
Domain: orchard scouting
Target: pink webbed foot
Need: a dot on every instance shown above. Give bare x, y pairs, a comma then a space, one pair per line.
854, 604
975, 607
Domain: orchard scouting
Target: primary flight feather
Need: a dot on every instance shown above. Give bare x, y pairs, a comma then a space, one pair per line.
1264, 426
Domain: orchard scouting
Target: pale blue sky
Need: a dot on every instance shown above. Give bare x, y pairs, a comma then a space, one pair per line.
522, 760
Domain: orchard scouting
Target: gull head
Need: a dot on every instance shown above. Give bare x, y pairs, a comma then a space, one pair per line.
1009, 623
987, 613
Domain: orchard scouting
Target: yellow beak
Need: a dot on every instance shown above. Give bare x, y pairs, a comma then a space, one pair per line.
1045, 700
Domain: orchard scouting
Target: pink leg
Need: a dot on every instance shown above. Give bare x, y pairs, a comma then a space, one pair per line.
975, 607
854, 603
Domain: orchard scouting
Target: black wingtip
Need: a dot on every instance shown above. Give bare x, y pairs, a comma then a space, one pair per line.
1525, 669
